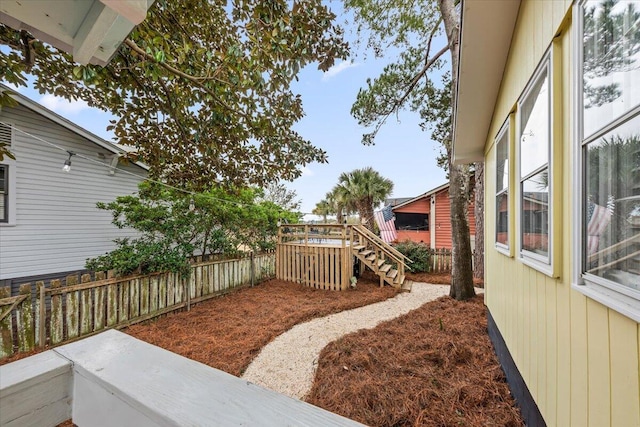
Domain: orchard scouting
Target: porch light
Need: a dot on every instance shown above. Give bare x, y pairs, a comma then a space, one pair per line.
67, 163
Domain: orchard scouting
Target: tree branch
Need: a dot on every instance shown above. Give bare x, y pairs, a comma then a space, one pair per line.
420, 74
196, 80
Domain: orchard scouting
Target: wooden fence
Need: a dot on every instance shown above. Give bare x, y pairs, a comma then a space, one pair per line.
440, 260
55, 313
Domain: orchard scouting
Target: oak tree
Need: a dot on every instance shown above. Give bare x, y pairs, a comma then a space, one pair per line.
201, 89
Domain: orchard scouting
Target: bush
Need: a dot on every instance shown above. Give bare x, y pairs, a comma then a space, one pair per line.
143, 257
418, 253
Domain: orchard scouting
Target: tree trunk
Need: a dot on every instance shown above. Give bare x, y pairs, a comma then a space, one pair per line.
461, 271
461, 257
478, 211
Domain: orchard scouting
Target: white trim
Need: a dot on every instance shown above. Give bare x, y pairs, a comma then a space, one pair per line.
623, 304
504, 130
422, 196
544, 264
576, 148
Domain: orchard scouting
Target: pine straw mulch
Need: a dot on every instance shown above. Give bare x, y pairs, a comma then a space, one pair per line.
434, 366
228, 332
439, 279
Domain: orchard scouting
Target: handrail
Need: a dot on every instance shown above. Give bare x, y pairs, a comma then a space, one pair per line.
380, 242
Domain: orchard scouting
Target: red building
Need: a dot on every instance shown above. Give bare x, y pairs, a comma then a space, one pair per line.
427, 219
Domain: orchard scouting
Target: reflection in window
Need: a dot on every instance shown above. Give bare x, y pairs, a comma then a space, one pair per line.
612, 205
534, 134
611, 64
535, 213
535, 143
502, 187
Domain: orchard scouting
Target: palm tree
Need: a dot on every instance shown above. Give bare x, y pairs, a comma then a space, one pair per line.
323, 208
362, 190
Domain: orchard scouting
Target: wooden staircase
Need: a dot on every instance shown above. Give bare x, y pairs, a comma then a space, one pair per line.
380, 257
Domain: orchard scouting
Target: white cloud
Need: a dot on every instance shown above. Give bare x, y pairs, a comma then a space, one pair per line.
307, 172
338, 68
61, 105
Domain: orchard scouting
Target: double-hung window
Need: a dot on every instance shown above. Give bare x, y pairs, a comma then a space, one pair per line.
534, 171
4, 193
502, 188
609, 137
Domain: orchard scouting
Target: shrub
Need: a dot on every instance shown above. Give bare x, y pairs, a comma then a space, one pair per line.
418, 253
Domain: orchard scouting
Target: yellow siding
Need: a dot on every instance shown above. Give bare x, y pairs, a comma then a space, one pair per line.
579, 359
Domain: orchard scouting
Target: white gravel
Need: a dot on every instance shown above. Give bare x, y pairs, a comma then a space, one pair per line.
288, 364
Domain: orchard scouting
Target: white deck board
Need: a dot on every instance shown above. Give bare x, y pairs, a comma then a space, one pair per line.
172, 390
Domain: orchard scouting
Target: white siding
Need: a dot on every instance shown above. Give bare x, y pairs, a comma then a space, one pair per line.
57, 225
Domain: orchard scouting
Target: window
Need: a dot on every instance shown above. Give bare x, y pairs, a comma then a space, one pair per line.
412, 221
7, 197
4, 193
534, 147
610, 145
502, 187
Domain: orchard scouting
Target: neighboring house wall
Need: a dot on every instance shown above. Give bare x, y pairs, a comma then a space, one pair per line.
56, 224
578, 358
421, 206
439, 234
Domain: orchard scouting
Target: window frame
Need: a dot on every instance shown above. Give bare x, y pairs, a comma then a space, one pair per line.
544, 264
10, 181
427, 222
505, 131
4, 193
618, 297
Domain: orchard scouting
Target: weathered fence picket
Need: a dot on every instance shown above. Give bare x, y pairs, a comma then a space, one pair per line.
86, 308
73, 307
51, 315
56, 330
24, 320
440, 260
6, 322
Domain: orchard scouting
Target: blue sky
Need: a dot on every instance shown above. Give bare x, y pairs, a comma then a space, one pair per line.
403, 153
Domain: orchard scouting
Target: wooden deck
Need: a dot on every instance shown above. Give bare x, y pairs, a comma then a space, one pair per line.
323, 255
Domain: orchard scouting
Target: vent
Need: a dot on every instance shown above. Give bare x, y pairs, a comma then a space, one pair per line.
5, 134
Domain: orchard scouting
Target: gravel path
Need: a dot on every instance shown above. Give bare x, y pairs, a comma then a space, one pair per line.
288, 364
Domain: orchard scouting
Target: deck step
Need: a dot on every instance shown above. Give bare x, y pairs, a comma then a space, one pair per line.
406, 286
358, 248
371, 257
385, 268
400, 280
392, 274
380, 262
366, 253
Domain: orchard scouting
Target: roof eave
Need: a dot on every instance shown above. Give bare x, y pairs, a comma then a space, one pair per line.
486, 31
69, 125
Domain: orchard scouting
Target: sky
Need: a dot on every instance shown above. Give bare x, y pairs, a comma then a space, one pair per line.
403, 153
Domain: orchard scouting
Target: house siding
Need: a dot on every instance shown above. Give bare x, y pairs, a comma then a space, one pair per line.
578, 358
419, 206
57, 225
443, 220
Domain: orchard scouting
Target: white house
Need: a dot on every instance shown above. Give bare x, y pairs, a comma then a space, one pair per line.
49, 223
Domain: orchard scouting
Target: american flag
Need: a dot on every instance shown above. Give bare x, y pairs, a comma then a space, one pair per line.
598, 219
387, 224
